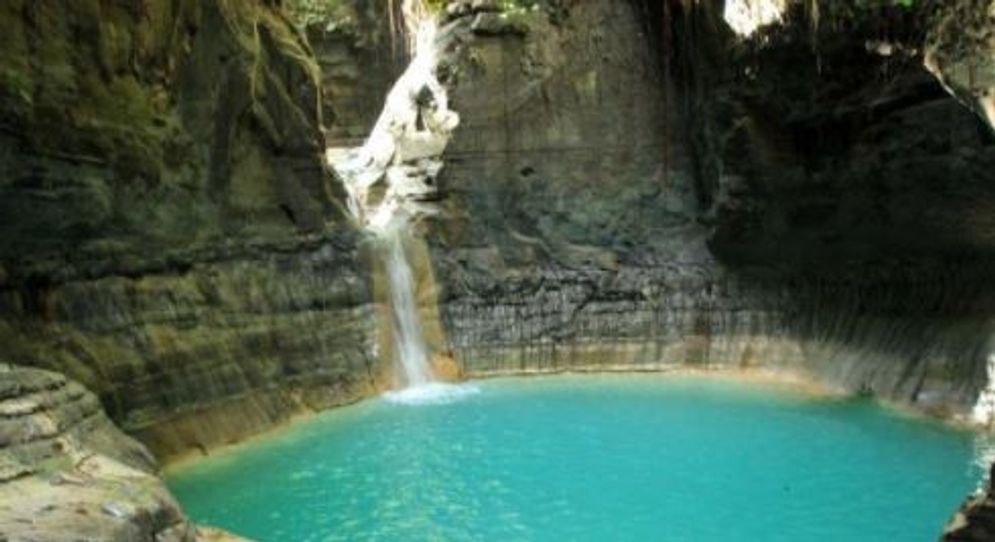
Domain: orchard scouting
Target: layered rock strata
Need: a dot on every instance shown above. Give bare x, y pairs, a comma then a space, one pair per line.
67, 473
168, 233
620, 200
213, 346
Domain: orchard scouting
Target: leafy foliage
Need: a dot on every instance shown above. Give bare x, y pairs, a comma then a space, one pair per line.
331, 14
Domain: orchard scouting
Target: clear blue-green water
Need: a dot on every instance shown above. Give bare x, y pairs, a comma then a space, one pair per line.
593, 458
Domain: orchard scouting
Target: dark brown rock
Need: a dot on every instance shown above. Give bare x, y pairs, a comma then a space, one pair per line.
975, 521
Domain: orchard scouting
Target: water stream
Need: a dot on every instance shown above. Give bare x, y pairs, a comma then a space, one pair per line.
391, 183
984, 408
408, 336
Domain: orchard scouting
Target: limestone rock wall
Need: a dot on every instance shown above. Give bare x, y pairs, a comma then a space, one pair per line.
625, 194
133, 127
360, 57
67, 473
855, 156
211, 347
168, 235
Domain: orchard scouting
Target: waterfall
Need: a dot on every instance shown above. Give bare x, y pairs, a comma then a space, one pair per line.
409, 341
984, 408
391, 182
746, 16
983, 414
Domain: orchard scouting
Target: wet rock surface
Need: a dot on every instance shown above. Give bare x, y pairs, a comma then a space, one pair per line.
975, 521
130, 129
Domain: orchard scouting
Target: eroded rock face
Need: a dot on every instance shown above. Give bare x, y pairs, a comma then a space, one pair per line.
206, 347
67, 473
134, 128
360, 57
168, 235
617, 199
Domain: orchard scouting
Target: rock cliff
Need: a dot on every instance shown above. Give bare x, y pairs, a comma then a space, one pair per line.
960, 51
629, 191
632, 185
67, 473
168, 235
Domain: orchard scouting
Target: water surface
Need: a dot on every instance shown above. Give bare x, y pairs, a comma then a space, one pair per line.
593, 458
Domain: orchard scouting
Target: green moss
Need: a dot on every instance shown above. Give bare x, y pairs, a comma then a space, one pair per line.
332, 15
16, 84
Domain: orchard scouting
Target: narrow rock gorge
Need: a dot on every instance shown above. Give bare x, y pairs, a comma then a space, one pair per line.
633, 186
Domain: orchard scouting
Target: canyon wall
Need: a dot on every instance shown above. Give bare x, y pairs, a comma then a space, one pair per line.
632, 186
626, 194
168, 235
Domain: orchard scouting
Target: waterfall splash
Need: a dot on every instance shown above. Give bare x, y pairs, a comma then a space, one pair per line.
746, 16
391, 183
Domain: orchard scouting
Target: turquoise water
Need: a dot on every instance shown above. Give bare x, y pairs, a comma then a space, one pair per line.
593, 458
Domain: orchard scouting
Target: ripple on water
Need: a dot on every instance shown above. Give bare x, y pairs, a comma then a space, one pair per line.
592, 458
436, 393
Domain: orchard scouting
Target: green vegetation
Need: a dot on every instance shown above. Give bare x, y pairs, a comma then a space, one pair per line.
332, 14
16, 83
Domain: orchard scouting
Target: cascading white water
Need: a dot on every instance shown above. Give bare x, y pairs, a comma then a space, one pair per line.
983, 414
746, 16
409, 340
984, 408
403, 154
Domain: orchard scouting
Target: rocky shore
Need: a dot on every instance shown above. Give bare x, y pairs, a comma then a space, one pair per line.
68, 473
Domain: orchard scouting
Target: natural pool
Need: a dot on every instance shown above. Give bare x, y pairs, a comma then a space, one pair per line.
593, 458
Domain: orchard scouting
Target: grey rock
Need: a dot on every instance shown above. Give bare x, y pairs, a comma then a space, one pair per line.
85, 500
